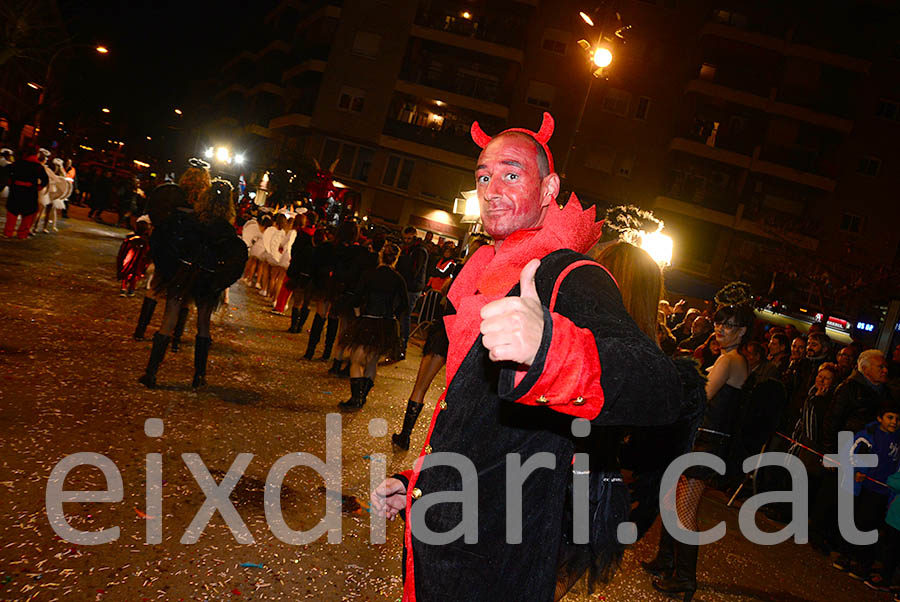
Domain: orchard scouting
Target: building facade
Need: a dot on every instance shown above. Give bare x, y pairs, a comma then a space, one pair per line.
761, 132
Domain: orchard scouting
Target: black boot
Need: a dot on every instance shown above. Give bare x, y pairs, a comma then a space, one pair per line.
179, 328
314, 335
335, 367
359, 388
330, 335
413, 409
147, 308
684, 580
345, 371
160, 342
295, 318
201, 354
664, 563
304, 313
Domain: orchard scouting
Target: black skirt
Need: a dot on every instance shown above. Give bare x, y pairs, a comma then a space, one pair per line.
718, 445
436, 341
375, 335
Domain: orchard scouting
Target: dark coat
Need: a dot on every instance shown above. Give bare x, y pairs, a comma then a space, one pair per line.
484, 420
855, 404
412, 265
26, 177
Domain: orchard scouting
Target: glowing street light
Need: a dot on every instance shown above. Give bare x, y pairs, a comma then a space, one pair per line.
586, 18
105, 110
208, 153
34, 85
102, 49
239, 158
659, 247
222, 154
602, 57
178, 112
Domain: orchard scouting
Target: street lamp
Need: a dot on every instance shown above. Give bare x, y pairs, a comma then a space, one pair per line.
43, 89
600, 57
105, 110
178, 112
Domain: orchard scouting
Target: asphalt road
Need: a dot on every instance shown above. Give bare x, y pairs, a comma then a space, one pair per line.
69, 370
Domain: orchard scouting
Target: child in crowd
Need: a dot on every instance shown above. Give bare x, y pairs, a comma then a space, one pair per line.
879, 438
134, 257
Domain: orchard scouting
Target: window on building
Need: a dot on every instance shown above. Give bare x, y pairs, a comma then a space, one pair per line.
366, 44
556, 41
643, 106
363, 164
729, 17
851, 223
888, 109
398, 172
616, 101
352, 99
354, 161
869, 166
540, 94
626, 165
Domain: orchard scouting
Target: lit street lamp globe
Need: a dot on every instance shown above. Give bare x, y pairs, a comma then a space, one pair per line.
602, 57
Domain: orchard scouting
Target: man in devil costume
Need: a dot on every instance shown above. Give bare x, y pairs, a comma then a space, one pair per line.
539, 336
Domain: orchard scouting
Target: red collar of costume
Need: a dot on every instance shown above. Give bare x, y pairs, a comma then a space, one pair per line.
490, 274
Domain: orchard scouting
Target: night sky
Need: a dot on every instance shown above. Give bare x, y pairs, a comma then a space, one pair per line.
159, 52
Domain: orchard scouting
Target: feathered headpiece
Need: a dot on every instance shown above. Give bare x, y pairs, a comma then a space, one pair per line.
198, 163
542, 135
735, 293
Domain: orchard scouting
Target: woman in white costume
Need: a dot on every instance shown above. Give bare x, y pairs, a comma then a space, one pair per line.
53, 196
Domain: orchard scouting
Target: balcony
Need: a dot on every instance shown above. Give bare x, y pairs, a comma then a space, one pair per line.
501, 25
458, 80
785, 104
701, 149
801, 165
769, 42
291, 120
473, 104
448, 139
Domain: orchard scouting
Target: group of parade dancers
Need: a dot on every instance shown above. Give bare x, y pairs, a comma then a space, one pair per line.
348, 284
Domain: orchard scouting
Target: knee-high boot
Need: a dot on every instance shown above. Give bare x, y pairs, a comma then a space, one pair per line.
304, 313
664, 563
201, 354
684, 580
359, 389
160, 342
315, 334
179, 328
330, 335
147, 308
295, 318
413, 409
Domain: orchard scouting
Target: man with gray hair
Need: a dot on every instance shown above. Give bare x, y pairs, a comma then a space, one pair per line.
855, 404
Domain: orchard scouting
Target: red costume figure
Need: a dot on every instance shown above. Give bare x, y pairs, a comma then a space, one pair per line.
538, 335
133, 258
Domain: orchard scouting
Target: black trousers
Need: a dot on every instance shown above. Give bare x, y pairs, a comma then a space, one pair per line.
868, 512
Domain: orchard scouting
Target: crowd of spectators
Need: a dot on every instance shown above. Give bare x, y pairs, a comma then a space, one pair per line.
803, 390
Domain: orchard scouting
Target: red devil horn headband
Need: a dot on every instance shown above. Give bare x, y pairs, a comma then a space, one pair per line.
542, 135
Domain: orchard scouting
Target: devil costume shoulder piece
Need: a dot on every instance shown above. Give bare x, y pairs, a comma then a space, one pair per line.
195, 258
133, 257
593, 362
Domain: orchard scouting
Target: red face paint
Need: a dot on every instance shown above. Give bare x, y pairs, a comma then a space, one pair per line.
508, 183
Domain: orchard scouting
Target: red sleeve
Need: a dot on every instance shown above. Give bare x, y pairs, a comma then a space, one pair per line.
565, 375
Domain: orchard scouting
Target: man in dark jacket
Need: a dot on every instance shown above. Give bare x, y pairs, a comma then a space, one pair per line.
412, 266
855, 404
857, 399
534, 322
26, 178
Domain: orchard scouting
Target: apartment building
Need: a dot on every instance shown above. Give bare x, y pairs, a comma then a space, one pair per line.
760, 131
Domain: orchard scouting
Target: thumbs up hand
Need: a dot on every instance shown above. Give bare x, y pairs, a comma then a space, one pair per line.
512, 327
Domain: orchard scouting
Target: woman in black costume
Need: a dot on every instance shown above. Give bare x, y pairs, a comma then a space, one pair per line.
376, 333
197, 255
675, 565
